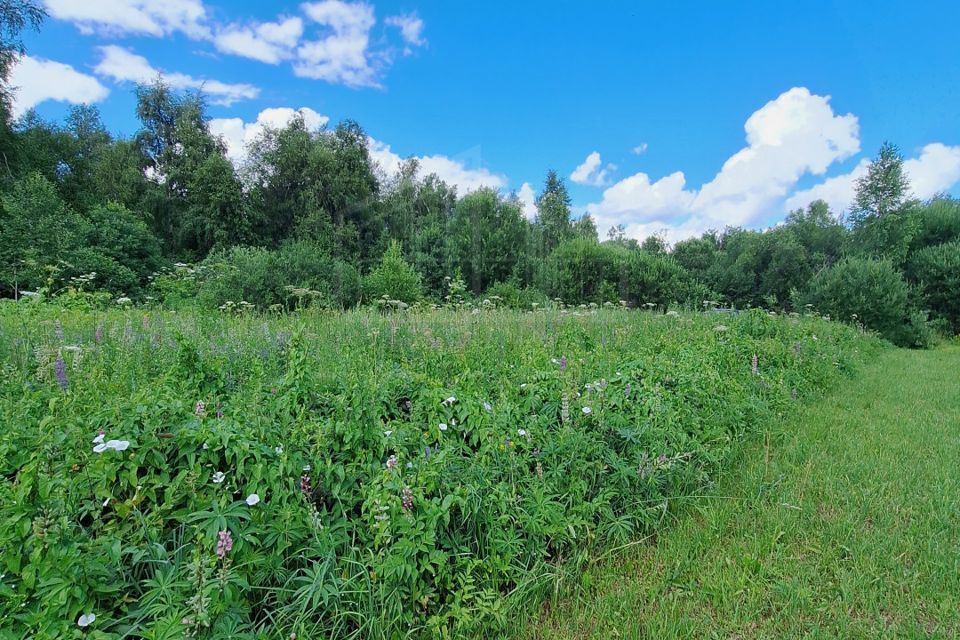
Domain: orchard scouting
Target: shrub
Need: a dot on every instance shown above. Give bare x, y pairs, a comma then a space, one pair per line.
936, 272
393, 278
581, 271
872, 293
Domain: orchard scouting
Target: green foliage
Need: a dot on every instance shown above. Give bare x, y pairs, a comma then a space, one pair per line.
582, 270
252, 481
936, 272
872, 293
393, 279
296, 275
885, 188
486, 236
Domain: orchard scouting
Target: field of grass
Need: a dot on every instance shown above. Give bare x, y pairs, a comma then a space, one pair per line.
419, 474
845, 523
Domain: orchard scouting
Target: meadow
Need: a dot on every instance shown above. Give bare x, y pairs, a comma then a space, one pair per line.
427, 473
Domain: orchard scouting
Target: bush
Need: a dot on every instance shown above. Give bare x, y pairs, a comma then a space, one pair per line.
872, 293
393, 278
582, 271
654, 279
936, 272
297, 274
512, 295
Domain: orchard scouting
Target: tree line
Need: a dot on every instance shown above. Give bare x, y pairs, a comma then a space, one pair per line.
308, 218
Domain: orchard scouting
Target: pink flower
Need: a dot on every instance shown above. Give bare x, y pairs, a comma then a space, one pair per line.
224, 543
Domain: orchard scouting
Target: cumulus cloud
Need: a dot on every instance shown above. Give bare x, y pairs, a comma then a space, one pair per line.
794, 135
237, 134
639, 149
341, 55
453, 172
122, 65
936, 169
133, 17
35, 80
591, 172
528, 199
269, 42
411, 30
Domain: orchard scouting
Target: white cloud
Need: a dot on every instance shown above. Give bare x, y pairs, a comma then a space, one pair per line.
142, 17
237, 134
936, 169
340, 56
590, 171
639, 149
36, 80
411, 29
268, 42
528, 199
789, 137
125, 66
453, 172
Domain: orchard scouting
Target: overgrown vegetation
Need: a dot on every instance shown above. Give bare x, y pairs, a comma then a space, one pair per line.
359, 475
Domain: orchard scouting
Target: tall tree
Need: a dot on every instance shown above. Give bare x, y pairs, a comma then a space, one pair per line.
884, 189
553, 212
15, 16
487, 236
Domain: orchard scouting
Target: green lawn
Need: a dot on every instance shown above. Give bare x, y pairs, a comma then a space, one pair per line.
844, 523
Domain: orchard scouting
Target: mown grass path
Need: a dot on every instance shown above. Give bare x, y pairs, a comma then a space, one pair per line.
844, 523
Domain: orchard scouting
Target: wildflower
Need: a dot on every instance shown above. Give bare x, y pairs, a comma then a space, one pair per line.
200, 409
563, 363
224, 543
587, 411
523, 386
449, 401
426, 452
626, 390
253, 499
565, 409
487, 407
720, 328
443, 426
219, 412
662, 459
60, 369
99, 438
86, 620
754, 362
305, 485
387, 434
58, 330
98, 333
407, 499
218, 477
205, 446
521, 432
306, 467
536, 451
392, 461
118, 445
278, 449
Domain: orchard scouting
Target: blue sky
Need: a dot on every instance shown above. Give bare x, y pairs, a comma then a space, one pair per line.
668, 118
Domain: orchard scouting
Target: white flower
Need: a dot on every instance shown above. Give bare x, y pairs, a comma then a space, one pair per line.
487, 407
587, 411
218, 477
253, 499
387, 434
523, 386
306, 467
278, 449
449, 401
100, 448
443, 426
99, 438
118, 445
86, 619
106, 502
205, 446
521, 432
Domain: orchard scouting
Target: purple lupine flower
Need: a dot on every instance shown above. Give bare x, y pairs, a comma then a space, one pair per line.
407, 499
60, 369
662, 458
754, 364
98, 333
58, 330
426, 452
224, 543
200, 409
305, 486
563, 363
